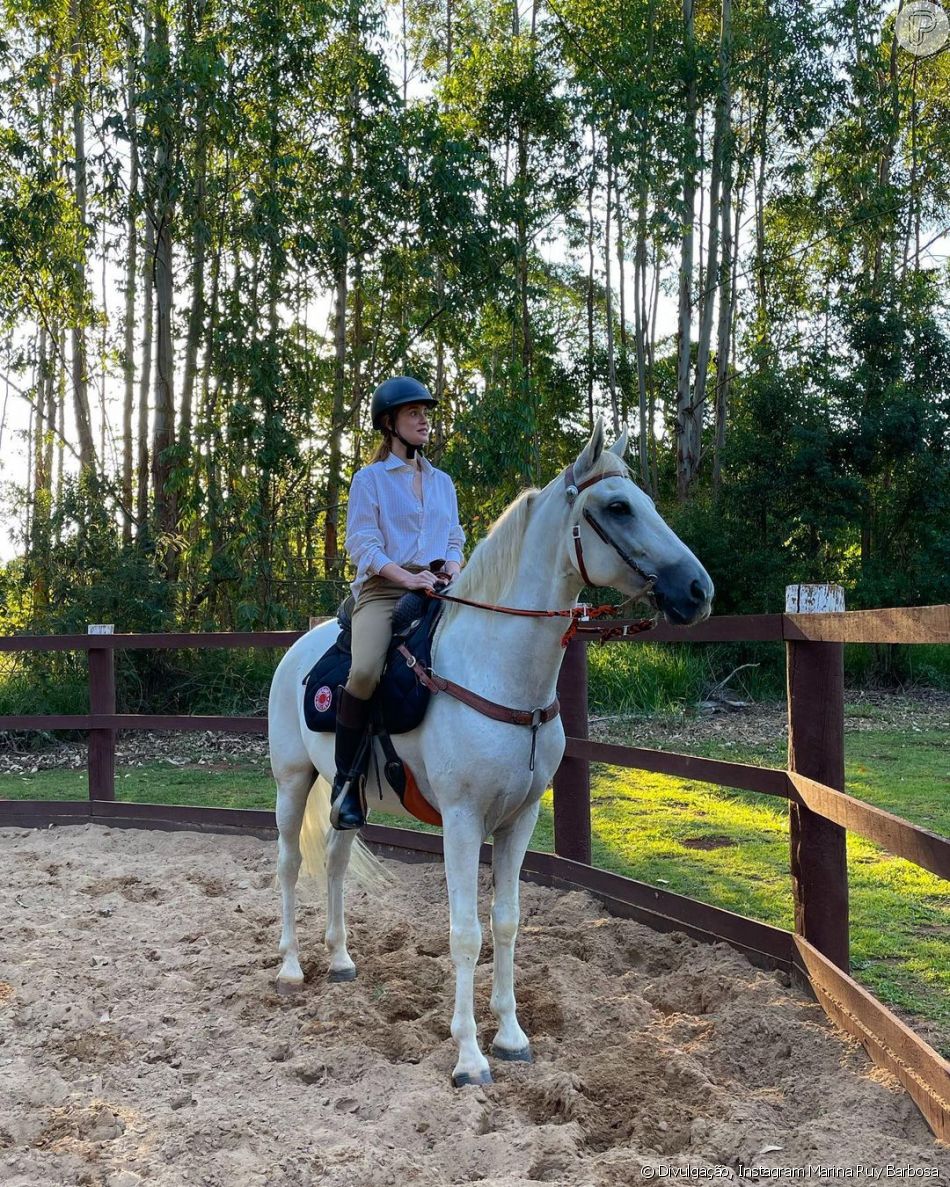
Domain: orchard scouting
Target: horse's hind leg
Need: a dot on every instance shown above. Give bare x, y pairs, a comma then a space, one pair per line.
293, 787
339, 847
508, 850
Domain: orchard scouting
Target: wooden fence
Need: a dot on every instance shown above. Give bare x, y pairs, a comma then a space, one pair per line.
820, 810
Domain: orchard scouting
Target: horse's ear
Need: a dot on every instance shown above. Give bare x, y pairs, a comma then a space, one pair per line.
590, 454
619, 447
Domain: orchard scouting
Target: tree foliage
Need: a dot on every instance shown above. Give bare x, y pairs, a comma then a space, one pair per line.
222, 222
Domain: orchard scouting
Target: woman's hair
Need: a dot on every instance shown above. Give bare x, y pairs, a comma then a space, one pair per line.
385, 447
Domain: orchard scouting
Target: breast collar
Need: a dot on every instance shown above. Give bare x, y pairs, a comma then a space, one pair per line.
572, 489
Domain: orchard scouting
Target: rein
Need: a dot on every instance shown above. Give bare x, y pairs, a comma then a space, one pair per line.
582, 612
533, 718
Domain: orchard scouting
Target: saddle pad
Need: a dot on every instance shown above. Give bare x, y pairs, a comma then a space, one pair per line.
400, 701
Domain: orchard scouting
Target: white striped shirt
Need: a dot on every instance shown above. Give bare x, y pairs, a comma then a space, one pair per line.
386, 523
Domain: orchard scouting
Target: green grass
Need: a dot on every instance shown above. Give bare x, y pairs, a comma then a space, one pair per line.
663, 677
720, 846
240, 786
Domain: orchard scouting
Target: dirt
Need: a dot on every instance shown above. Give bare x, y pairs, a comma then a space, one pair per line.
142, 1040
765, 722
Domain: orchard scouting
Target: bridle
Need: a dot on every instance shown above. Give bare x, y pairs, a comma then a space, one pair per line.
534, 718
582, 612
572, 489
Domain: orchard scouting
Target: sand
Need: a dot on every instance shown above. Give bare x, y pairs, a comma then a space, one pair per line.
142, 1040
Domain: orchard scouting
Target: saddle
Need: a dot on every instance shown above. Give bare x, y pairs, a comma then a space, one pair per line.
400, 701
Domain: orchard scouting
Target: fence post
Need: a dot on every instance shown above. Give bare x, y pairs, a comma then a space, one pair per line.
101, 700
816, 750
572, 778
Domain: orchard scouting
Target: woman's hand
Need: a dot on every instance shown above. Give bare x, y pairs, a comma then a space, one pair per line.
423, 580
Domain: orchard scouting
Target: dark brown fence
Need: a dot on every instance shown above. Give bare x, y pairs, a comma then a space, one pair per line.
820, 810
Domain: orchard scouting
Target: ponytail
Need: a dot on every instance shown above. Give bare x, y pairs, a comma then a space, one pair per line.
385, 447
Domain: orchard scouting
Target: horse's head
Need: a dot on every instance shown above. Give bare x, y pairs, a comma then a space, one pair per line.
619, 539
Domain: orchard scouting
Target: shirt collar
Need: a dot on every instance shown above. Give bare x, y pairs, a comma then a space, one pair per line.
394, 462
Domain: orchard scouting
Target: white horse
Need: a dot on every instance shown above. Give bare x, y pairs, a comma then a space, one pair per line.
590, 525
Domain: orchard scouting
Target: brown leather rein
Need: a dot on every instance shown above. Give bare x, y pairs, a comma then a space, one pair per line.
533, 718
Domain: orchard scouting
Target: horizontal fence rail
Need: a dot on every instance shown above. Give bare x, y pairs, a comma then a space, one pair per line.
902, 624
821, 812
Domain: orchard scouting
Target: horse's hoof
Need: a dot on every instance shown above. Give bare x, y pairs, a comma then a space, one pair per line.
464, 1079
341, 975
504, 1053
288, 988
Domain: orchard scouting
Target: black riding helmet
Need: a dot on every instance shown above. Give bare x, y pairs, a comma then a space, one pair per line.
398, 391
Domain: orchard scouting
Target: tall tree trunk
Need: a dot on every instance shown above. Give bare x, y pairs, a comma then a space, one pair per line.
358, 348
640, 310
439, 426
761, 282
651, 361
608, 296
163, 433
528, 394
622, 300
886, 237
331, 541
80, 375
726, 298
592, 182
197, 311
60, 431
131, 274
687, 436
143, 534
38, 538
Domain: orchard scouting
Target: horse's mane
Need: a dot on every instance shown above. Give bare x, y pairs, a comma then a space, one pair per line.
493, 565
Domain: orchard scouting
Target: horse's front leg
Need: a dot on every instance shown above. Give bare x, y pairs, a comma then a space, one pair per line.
462, 838
339, 847
508, 850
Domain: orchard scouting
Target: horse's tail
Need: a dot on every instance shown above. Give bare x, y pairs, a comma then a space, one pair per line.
367, 869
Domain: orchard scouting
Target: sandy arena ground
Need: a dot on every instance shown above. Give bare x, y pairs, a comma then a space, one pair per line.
141, 1039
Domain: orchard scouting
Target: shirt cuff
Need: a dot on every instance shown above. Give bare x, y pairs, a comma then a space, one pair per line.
453, 553
377, 560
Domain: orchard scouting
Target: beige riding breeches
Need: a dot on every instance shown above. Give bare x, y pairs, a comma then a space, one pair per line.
373, 631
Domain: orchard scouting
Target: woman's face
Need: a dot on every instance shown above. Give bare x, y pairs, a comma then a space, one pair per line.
412, 423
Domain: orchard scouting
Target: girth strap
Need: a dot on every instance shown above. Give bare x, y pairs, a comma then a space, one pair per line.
533, 718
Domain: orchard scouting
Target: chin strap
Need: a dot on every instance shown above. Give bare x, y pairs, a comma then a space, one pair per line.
410, 449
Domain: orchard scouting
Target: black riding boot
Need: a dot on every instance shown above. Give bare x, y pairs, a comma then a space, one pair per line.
347, 805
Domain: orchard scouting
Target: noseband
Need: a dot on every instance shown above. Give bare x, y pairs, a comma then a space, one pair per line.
572, 489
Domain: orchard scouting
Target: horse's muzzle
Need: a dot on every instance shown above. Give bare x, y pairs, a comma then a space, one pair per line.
684, 593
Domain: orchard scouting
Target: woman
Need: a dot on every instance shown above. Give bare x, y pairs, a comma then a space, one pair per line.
402, 512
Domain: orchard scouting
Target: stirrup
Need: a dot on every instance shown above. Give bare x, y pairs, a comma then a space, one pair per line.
348, 804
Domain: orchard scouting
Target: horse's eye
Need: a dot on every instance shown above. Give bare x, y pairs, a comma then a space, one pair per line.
619, 508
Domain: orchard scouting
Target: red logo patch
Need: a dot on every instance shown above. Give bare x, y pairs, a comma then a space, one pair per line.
323, 698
